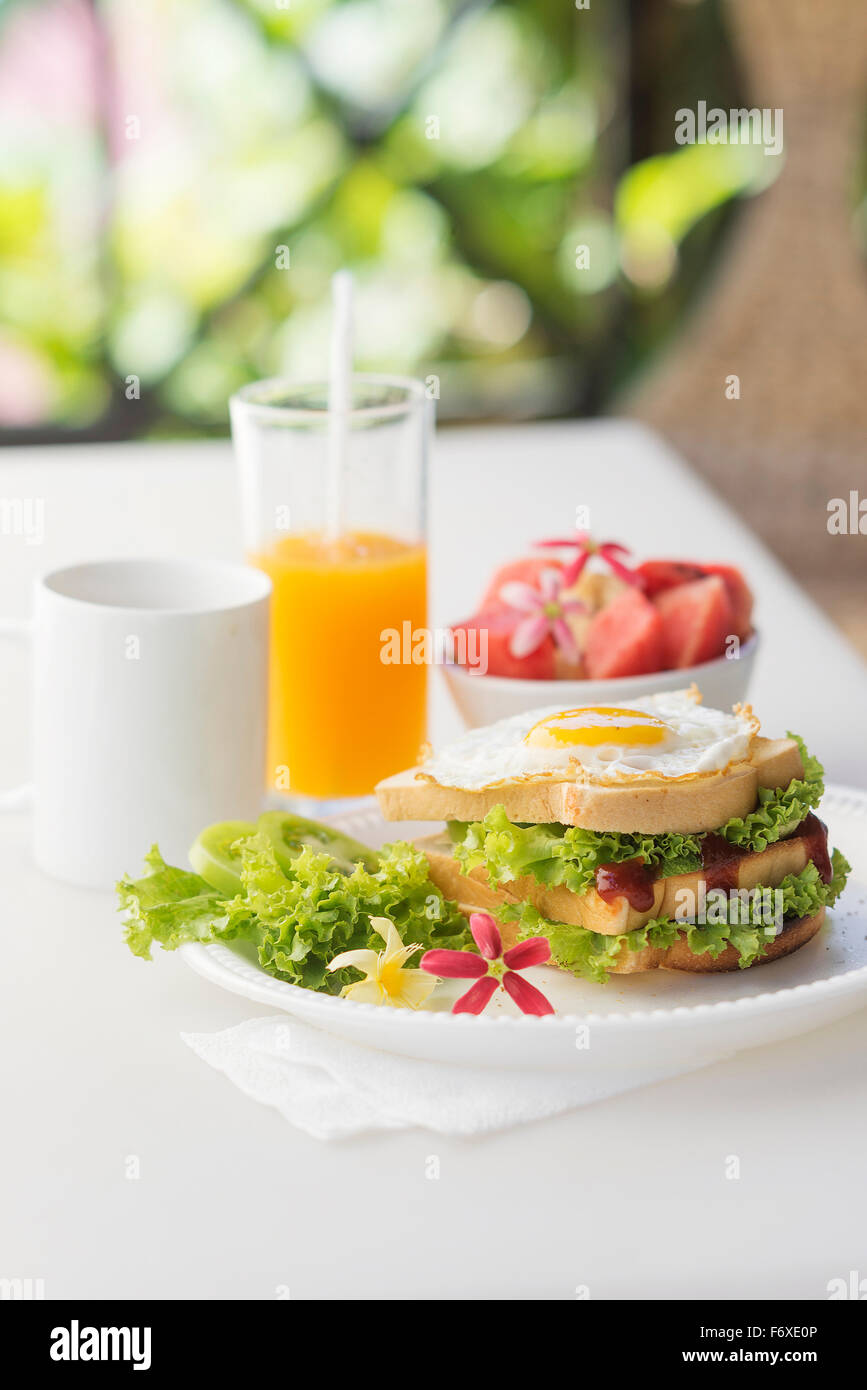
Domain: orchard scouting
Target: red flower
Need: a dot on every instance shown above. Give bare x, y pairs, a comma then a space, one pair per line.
492, 969
609, 551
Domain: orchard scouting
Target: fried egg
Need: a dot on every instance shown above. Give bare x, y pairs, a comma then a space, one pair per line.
671, 735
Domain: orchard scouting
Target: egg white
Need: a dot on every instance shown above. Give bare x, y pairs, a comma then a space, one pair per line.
698, 740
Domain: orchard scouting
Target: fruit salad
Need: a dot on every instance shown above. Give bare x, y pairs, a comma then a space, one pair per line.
582, 610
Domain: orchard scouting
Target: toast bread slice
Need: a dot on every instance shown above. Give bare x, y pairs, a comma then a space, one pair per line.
646, 806
475, 895
679, 957
589, 910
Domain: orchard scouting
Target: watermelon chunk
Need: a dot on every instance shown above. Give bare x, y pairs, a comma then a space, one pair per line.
740, 597
526, 571
499, 625
624, 639
696, 620
659, 575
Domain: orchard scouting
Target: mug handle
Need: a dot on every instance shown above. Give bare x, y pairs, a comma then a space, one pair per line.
17, 798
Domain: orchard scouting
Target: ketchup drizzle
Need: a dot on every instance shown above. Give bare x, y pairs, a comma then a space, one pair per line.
632, 879
814, 833
719, 859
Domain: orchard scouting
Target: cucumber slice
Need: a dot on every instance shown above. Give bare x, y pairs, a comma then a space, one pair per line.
212, 856
289, 834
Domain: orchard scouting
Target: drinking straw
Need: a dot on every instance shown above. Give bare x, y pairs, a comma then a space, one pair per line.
339, 400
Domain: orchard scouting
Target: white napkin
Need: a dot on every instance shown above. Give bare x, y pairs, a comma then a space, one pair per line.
333, 1089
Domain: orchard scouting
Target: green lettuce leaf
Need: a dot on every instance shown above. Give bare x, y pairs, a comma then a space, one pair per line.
563, 854
781, 809
740, 920
840, 871
310, 916
298, 920
587, 954
560, 854
169, 906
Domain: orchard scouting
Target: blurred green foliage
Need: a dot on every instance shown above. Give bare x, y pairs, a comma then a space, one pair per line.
180, 178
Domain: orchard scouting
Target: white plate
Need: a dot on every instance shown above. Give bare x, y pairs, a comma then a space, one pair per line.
635, 1022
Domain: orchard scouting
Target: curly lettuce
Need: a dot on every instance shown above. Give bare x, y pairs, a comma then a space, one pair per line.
297, 919
170, 906
563, 854
781, 809
739, 921
568, 855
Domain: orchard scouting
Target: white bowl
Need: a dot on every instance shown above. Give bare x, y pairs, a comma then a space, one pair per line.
484, 699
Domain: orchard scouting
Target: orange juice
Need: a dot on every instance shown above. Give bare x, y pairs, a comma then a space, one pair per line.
340, 718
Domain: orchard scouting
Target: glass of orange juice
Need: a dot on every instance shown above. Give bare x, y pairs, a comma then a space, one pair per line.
347, 703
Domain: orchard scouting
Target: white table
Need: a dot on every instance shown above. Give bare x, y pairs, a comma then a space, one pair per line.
628, 1197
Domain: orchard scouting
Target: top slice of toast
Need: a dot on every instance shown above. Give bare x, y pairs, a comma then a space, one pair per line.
649, 806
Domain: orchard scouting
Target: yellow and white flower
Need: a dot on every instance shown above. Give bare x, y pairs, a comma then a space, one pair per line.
386, 978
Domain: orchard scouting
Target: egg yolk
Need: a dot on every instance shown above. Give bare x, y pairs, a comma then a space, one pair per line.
583, 728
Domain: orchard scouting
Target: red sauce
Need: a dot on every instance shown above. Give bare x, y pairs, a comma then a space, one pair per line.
719, 860
631, 880
814, 833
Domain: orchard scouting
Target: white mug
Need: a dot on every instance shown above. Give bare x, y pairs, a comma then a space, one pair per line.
149, 710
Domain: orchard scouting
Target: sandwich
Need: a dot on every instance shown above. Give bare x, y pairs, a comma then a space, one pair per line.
659, 835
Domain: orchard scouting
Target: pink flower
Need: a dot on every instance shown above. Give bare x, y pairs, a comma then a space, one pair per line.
492, 969
546, 612
609, 551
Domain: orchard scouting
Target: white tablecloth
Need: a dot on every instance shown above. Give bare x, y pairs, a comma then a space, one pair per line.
129, 1169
